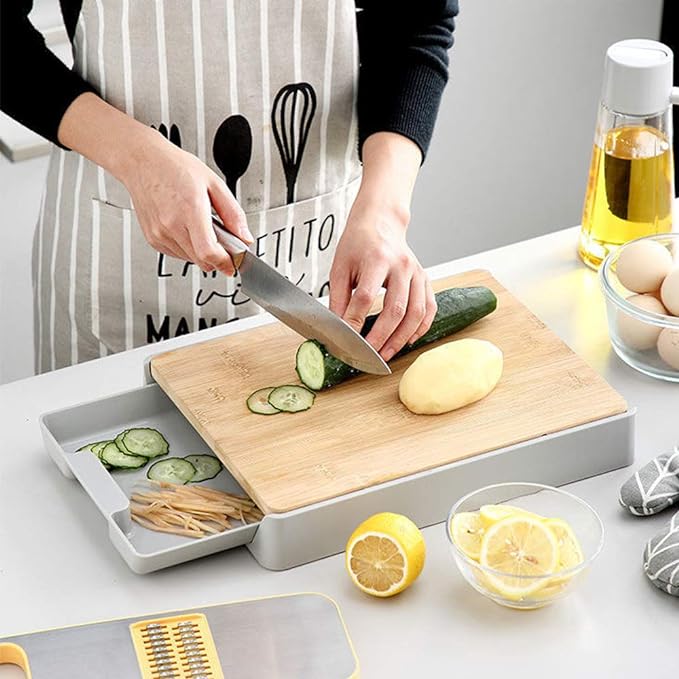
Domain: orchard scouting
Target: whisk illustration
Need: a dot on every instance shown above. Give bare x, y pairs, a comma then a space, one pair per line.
293, 110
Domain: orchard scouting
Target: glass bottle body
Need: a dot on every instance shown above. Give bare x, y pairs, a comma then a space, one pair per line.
630, 189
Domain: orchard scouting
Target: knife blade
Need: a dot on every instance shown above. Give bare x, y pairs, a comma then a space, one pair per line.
298, 310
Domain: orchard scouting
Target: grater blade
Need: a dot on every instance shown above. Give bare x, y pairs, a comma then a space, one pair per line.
178, 647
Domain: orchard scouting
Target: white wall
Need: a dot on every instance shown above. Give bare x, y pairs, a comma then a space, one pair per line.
509, 159
510, 155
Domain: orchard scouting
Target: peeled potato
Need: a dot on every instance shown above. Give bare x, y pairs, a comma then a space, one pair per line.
451, 376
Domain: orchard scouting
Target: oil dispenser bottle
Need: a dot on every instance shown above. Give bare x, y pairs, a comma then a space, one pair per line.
630, 189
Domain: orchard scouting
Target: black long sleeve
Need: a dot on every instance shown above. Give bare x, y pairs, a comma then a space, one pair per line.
36, 87
403, 67
403, 48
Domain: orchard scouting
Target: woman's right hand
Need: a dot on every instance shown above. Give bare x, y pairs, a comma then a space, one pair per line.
172, 191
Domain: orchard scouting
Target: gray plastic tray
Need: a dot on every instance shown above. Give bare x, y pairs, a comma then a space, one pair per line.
282, 541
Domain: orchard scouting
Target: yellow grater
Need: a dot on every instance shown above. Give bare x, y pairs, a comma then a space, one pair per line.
179, 647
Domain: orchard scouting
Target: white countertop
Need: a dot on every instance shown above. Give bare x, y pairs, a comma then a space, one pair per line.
57, 566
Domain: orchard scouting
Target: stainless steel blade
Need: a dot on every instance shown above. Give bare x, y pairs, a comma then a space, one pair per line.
299, 310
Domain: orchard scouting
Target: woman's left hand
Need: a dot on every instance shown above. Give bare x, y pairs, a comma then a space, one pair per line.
373, 253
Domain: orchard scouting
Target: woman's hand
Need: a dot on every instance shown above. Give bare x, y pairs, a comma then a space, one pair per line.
373, 252
172, 191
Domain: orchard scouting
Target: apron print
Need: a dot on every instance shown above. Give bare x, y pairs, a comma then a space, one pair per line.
232, 149
292, 114
293, 110
173, 135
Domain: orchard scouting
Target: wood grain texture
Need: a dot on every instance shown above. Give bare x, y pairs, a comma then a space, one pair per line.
358, 434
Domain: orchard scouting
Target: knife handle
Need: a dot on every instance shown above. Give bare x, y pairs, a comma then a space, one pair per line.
233, 245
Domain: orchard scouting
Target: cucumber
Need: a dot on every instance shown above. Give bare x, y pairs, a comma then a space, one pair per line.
207, 467
291, 398
457, 308
172, 470
112, 455
258, 402
142, 441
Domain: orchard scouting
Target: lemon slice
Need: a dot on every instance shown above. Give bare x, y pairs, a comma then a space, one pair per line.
385, 554
466, 529
570, 552
521, 548
491, 514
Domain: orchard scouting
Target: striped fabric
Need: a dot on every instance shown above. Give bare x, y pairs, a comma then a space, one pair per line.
185, 67
661, 558
654, 487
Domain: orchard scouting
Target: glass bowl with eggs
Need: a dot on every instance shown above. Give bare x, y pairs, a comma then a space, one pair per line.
640, 281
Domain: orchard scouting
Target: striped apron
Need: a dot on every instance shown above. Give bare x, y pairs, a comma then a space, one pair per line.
277, 76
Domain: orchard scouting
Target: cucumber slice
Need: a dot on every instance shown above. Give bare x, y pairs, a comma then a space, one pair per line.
172, 470
291, 398
96, 449
207, 467
258, 402
310, 364
115, 457
143, 441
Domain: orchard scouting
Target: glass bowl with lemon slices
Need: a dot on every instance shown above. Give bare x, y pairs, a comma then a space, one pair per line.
524, 545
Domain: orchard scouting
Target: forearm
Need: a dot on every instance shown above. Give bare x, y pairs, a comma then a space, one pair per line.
105, 135
403, 49
35, 86
391, 163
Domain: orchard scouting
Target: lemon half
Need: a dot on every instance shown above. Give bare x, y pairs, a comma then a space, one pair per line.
385, 554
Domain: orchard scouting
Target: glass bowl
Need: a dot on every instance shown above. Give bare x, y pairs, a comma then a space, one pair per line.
548, 502
623, 316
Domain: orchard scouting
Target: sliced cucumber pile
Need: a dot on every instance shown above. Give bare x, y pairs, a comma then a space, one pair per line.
95, 449
130, 449
146, 442
133, 448
113, 456
291, 398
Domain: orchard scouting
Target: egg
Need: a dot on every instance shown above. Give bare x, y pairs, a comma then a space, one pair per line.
668, 347
669, 292
642, 266
638, 334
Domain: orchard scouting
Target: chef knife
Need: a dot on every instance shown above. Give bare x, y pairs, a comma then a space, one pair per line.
297, 309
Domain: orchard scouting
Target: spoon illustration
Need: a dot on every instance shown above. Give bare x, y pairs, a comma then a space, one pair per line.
293, 110
232, 149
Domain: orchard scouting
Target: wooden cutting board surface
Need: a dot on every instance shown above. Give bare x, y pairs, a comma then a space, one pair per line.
358, 434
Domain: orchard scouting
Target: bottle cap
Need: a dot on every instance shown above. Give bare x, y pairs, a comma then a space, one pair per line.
638, 77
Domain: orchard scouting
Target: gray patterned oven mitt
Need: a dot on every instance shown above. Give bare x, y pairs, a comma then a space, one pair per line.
661, 558
654, 487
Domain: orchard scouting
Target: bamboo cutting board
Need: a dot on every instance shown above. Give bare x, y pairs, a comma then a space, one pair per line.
358, 434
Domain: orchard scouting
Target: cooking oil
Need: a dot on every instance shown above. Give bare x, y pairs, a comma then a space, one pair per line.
629, 191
